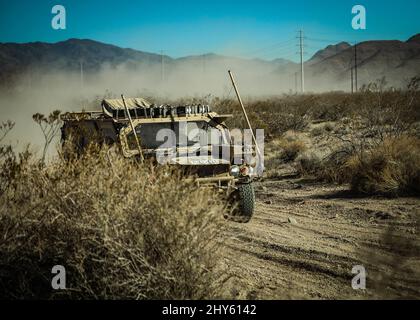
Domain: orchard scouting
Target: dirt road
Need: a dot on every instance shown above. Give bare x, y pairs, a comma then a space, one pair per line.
306, 237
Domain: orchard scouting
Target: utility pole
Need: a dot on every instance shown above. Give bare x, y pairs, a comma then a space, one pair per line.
30, 77
355, 67
302, 72
204, 64
81, 74
351, 75
82, 91
162, 66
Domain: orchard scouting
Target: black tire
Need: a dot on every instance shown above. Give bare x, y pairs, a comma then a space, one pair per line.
245, 198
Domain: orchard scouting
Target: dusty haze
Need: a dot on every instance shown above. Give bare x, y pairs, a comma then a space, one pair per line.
46, 91
200, 77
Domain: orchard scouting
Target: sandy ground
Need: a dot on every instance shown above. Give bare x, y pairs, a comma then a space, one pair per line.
306, 237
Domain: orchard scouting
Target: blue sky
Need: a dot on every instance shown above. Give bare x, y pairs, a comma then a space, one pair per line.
264, 29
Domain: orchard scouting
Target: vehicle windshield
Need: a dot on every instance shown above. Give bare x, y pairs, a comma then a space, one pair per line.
174, 134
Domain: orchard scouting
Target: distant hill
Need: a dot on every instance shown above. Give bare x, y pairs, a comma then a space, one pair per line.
327, 69
329, 51
67, 55
395, 60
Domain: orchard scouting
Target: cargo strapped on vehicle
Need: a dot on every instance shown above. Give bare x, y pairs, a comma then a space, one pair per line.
114, 108
140, 108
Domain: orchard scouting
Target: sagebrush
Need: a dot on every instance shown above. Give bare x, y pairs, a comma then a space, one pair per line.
121, 230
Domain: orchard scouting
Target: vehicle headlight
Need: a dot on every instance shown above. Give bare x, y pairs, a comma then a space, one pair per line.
234, 171
244, 170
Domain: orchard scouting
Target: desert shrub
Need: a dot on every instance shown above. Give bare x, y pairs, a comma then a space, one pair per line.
274, 115
121, 230
334, 166
290, 149
389, 113
392, 168
330, 106
320, 130
383, 112
331, 168
308, 164
9, 160
273, 166
388, 168
329, 127
317, 131
50, 126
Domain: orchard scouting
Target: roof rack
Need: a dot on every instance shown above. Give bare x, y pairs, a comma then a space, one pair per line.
82, 115
140, 108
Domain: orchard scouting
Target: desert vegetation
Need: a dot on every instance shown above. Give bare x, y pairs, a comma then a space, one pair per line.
341, 188
121, 230
369, 140
125, 230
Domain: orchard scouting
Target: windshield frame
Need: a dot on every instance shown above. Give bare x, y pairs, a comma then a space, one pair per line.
127, 131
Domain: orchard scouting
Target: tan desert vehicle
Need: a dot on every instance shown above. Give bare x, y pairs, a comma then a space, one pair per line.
222, 166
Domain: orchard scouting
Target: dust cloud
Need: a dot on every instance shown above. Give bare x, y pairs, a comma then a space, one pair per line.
199, 77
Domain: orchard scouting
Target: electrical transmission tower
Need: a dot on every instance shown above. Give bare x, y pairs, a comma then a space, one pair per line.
204, 64
81, 74
302, 71
355, 67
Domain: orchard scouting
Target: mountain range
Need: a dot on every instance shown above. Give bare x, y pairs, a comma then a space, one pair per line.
327, 69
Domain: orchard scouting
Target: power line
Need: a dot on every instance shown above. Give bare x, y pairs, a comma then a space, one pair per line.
286, 52
279, 45
357, 35
290, 55
282, 44
325, 40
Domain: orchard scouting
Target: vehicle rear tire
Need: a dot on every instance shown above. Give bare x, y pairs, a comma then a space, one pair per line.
245, 198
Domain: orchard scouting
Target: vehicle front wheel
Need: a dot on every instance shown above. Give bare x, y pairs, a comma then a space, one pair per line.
245, 199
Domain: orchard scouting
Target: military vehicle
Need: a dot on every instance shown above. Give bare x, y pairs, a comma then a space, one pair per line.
144, 130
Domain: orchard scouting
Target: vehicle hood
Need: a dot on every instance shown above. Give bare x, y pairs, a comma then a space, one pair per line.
198, 161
